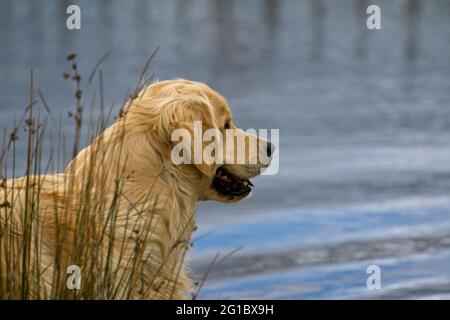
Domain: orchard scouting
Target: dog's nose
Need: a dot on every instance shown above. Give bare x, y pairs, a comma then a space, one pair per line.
270, 149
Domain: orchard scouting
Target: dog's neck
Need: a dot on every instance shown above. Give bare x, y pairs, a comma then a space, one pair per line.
134, 164
133, 157
153, 195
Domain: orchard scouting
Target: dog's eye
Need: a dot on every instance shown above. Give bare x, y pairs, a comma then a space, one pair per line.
226, 125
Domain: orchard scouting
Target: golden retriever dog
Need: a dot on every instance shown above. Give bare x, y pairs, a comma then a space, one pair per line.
122, 210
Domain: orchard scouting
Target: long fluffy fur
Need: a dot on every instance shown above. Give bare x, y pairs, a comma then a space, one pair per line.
121, 197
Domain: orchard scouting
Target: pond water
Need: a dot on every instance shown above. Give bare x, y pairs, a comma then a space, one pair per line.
364, 119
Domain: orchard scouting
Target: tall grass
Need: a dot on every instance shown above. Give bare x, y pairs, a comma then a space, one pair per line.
79, 235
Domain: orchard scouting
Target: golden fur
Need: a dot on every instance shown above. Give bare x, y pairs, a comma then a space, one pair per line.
127, 168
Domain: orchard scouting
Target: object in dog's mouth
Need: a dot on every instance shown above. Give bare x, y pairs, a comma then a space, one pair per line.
227, 183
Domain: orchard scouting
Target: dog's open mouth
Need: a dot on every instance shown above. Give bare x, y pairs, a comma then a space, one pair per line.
228, 184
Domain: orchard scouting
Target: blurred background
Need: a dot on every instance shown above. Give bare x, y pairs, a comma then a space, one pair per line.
364, 119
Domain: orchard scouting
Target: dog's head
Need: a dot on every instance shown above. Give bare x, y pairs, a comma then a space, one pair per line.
224, 158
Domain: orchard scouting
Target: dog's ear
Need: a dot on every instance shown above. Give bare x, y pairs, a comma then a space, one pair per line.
181, 113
